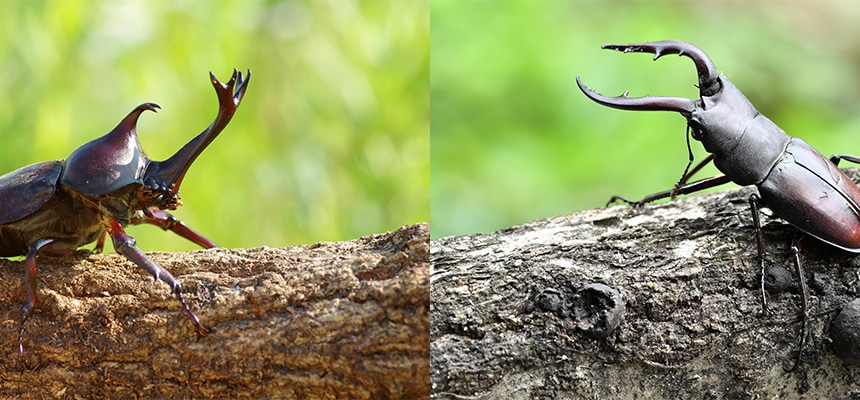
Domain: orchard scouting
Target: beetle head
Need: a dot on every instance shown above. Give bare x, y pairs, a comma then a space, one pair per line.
110, 162
116, 160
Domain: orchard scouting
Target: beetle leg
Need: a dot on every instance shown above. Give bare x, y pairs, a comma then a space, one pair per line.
688, 188
166, 220
755, 204
100, 243
796, 246
30, 283
847, 157
682, 187
125, 245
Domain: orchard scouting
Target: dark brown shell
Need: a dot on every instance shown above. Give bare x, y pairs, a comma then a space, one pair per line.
25, 190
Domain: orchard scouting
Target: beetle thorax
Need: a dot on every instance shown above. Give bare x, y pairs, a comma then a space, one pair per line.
745, 143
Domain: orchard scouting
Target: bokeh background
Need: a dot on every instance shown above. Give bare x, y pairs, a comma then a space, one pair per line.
331, 141
514, 140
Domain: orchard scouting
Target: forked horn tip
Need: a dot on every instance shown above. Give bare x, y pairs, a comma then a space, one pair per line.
150, 106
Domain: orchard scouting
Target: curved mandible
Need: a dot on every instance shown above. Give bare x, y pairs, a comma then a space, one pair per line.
647, 103
709, 82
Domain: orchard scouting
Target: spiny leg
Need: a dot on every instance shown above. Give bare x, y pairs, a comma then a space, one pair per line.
30, 283
167, 221
796, 246
681, 187
688, 188
689, 173
847, 157
125, 245
755, 205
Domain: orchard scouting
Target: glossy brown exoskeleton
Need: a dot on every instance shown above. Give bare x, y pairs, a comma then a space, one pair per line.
54, 207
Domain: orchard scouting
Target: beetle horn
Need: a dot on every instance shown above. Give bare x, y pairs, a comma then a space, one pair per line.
709, 82
108, 162
171, 171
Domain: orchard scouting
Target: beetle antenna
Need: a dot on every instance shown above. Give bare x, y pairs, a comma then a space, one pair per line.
684, 176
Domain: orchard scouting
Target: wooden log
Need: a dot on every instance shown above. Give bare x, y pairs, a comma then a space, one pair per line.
328, 320
506, 319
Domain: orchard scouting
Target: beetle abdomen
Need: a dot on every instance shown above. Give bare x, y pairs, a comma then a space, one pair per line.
808, 191
68, 222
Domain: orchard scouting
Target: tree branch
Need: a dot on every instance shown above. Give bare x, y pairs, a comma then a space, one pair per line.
329, 320
507, 319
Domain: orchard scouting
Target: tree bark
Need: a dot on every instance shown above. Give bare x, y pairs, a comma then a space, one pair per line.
509, 319
328, 320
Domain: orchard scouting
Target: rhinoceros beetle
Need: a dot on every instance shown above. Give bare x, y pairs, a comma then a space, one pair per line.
794, 180
54, 207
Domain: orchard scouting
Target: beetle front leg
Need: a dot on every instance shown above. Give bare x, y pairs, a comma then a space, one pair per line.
125, 245
166, 220
100, 243
687, 188
682, 187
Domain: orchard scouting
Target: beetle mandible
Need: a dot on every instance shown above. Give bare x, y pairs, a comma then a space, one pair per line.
794, 180
54, 207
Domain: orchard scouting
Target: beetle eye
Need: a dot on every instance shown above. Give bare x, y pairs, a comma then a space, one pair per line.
696, 129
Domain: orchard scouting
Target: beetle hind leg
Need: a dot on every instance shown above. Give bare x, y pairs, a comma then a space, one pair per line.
30, 283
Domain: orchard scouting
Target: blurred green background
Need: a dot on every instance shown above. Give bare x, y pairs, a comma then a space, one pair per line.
514, 140
331, 141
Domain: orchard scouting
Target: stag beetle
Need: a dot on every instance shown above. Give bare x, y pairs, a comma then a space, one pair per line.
54, 207
794, 180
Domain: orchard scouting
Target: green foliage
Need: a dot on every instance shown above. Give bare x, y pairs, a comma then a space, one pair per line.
331, 141
514, 140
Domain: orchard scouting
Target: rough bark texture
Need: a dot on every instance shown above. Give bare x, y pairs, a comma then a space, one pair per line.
329, 320
506, 322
